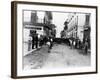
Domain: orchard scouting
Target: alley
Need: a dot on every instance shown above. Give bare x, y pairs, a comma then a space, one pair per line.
61, 56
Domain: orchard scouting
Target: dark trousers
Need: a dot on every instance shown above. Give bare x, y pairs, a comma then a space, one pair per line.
40, 43
51, 44
86, 49
36, 44
33, 44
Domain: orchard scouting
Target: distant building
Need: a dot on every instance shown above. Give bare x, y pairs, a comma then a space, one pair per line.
78, 26
64, 33
49, 28
34, 17
48, 17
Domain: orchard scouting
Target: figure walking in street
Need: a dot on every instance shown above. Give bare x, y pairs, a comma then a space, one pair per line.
74, 43
80, 44
71, 43
86, 46
50, 44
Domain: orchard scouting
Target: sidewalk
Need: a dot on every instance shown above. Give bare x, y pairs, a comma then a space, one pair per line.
26, 52
36, 58
32, 51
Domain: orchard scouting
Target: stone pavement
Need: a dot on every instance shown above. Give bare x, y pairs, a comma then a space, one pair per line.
61, 56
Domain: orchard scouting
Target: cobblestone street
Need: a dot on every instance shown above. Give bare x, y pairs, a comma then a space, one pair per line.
61, 56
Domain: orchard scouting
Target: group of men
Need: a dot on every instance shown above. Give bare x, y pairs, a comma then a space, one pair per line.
39, 41
34, 36
76, 43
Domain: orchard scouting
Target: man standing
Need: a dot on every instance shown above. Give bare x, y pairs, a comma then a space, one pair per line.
33, 39
36, 40
86, 46
51, 42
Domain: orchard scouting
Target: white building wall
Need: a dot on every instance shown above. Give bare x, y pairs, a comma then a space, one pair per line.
80, 33
81, 24
71, 25
79, 20
26, 33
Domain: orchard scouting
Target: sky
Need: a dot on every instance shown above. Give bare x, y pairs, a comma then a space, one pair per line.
58, 19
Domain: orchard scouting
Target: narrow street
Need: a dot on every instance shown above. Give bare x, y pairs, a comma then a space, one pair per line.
61, 56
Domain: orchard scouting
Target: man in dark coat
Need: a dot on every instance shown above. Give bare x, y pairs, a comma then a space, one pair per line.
86, 46
36, 40
33, 39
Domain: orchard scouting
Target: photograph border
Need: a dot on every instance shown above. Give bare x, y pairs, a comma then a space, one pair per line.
14, 37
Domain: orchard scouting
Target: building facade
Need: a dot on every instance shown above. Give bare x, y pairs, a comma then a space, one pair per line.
34, 24
49, 28
78, 26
